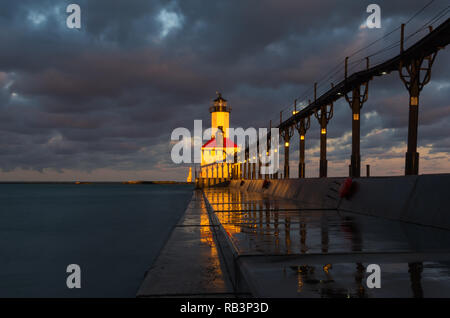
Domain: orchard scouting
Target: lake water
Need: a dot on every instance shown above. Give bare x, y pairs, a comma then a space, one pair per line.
113, 232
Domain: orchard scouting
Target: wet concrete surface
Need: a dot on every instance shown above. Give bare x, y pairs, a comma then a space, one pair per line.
189, 264
286, 248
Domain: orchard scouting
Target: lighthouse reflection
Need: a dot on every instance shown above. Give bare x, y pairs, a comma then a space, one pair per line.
261, 225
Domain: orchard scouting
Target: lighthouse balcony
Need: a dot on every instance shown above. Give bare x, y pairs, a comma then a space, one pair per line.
220, 108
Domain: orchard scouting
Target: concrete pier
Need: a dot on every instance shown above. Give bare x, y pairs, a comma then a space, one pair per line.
299, 238
307, 246
189, 265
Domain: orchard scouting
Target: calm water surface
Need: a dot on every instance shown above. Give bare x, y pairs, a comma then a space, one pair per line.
113, 231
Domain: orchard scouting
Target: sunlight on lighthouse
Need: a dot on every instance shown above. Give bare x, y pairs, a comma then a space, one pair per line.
219, 148
189, 178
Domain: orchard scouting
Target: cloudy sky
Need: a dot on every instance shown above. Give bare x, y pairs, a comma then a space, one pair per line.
100, 103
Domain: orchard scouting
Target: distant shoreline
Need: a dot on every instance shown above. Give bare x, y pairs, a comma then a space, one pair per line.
95, 182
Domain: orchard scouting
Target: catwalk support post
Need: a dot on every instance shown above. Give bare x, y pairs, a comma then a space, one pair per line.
286, 134
323, 115
356, 102
302, 126
415, 74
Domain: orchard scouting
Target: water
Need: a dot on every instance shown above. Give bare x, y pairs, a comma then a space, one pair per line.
113, 231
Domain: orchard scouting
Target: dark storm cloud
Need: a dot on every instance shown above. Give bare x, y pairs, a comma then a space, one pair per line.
110, 94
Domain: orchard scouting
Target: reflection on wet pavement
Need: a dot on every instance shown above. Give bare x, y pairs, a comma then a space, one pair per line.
189, 263
323, 245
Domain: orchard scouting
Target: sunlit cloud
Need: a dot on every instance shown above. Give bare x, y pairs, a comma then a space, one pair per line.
36, 18
170, 21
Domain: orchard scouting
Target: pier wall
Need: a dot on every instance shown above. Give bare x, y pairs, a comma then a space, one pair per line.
423, 199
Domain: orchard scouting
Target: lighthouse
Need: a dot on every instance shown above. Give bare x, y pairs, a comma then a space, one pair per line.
220, 115
219, 149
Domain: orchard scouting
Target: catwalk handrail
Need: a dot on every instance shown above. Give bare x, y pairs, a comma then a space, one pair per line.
432, 42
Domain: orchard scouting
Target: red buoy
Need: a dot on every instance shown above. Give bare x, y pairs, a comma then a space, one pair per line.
345, 188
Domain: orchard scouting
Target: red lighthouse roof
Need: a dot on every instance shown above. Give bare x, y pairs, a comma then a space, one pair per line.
227, 143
